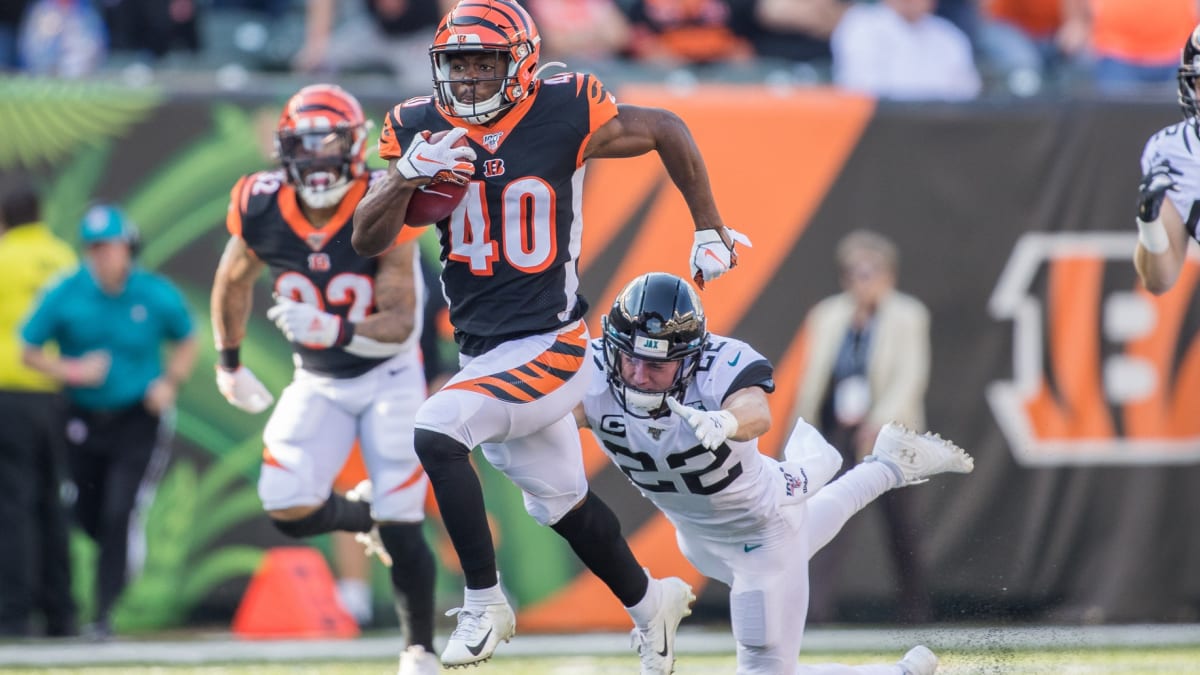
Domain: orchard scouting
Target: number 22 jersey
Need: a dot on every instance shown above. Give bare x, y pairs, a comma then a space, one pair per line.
735, 488
511, 247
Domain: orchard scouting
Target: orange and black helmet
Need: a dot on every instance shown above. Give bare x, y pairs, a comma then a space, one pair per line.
321, 141
499, 26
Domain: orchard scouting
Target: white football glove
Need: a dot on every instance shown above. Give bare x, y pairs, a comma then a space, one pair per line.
427, 160
711, 428
711, 257
304, 324
243, 390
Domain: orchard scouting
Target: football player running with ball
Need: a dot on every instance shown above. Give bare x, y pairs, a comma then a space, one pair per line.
354, 324
679, 410
1170, 189
510, 250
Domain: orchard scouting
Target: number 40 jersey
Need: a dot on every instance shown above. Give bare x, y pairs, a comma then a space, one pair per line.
511, 246
734, 489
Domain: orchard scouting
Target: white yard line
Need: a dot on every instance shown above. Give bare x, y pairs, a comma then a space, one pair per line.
207, 648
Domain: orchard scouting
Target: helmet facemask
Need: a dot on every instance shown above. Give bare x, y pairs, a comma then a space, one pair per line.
643, 403
475, 111
319, 163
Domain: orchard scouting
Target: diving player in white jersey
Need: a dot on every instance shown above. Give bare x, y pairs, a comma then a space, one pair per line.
679, 410
1169, 194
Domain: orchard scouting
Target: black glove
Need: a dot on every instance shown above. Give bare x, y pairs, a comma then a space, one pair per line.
1153, 189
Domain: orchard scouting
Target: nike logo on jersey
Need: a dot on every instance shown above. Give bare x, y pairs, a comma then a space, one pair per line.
750, 547
395, 371
736, 358
478, 647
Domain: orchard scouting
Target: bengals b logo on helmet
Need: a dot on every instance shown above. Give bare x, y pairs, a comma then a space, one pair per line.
1103, 371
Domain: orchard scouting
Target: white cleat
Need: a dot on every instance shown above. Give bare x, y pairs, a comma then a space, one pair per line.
919, 661
656, 644
371, 542
918, 456
479, 632
416, 661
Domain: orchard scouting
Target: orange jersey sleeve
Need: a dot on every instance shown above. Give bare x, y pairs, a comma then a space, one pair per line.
389, 137
602, 105
237, 205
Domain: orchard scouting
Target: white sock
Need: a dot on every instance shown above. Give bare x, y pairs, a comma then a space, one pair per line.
355, 596
478, 597
643, 612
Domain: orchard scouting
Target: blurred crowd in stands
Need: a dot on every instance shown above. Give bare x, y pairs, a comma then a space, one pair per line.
898, 49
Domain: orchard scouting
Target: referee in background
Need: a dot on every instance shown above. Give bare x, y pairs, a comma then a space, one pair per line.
35, 568
111, 320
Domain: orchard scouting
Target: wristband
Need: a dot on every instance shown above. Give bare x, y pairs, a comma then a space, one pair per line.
229, 358
1153, 236
345, 333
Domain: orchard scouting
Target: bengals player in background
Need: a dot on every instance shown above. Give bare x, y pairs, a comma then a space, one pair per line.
1171, 168
510, 250
353, 323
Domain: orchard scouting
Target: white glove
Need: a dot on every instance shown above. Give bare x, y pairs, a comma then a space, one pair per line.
711, 257
243, 390
304, 324
427, 160
712, 428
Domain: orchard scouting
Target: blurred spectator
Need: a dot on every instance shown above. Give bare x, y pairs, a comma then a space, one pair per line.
962, 13
1125, 43
392, 35
111, 320
899, 49
677, 32
591, 30
151, 27
62, 38
1016, 41
274, 9
790, 30
11, 13
35, 569
868, 365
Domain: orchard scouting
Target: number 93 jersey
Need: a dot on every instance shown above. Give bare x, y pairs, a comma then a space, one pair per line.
511, 246
1179, 146
317, 266
735, 488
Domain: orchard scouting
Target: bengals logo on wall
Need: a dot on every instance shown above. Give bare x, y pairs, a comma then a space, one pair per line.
1103, 371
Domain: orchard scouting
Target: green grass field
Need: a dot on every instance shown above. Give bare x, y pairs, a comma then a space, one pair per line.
1184, 661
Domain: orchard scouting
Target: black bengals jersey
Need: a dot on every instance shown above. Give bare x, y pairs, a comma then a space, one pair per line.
317, 266
511, 247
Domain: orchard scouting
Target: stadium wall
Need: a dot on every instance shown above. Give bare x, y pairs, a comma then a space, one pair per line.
1073, 387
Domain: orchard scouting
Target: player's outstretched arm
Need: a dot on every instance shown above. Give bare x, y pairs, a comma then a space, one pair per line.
380, 214
743, 416
231, 300
233, 292
395, 297
1158, 268
637, 130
